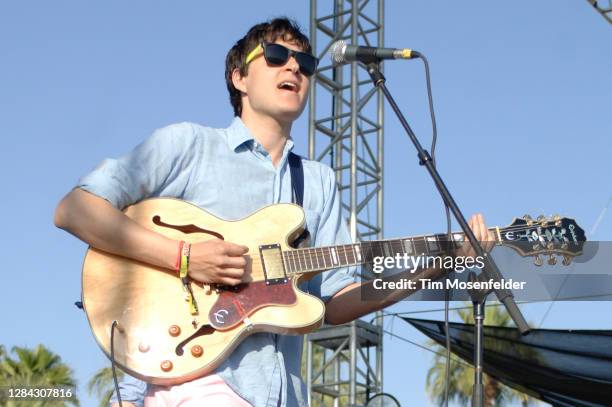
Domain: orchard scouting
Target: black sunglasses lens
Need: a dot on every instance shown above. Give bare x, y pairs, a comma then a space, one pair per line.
307, 63
276, 54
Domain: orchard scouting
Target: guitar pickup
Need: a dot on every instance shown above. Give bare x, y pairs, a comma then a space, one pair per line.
273, 264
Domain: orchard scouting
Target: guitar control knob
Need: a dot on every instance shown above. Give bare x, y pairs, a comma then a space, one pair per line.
552, 260
538, 261
166, 366
174, 330
144, 347
197, 351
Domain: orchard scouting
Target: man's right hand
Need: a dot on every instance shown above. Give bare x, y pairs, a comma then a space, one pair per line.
217, 261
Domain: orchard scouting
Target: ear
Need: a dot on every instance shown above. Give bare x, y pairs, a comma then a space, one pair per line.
238, 80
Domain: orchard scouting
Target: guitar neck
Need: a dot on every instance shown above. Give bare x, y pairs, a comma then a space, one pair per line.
317, 259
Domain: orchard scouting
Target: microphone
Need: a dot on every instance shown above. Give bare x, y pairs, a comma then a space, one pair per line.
342, 53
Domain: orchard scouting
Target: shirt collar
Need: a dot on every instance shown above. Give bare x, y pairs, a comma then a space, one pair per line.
238, 134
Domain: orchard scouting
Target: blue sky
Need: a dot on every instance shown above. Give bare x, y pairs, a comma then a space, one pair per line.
522, 95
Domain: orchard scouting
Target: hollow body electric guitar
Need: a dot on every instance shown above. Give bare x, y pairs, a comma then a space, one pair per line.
162, 339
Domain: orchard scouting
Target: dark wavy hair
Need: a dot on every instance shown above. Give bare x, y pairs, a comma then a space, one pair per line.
270, 31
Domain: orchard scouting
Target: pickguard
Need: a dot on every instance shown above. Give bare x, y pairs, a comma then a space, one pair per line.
233, 306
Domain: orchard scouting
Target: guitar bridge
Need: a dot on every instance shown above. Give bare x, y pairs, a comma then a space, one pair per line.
273, 264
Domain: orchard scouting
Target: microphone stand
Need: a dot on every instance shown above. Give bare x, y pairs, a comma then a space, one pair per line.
490, 270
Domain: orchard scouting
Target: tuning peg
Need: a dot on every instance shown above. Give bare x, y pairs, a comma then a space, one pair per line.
552, 260
528, 219
557, 220
566, 260
564, 246
542, 220
538, 260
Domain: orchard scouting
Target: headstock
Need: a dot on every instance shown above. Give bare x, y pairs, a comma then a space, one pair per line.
552, 236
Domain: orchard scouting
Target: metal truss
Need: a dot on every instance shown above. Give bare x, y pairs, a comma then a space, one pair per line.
346, 132
603, 7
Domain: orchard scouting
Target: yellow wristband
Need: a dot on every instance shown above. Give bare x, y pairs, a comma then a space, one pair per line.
184, 268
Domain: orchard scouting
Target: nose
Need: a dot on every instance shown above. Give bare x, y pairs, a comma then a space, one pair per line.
293, 65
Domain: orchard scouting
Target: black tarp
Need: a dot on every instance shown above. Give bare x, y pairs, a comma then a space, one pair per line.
561, 367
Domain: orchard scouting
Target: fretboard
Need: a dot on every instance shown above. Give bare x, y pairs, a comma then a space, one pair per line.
316, 259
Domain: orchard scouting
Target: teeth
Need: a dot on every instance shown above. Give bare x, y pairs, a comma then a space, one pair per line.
290, 85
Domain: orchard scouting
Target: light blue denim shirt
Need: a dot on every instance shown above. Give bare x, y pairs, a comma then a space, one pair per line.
228, 173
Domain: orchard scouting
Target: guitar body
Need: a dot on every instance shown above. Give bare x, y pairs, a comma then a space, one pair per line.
162, 339
158, 339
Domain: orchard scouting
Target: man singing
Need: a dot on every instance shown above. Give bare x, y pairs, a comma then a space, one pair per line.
230, 173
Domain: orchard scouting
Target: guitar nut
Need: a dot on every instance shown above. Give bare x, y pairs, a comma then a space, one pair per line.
174, 330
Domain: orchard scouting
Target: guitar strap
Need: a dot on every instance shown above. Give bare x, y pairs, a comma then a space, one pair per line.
297, 179
297, 196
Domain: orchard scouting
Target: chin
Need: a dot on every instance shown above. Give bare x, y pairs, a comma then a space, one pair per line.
290, 114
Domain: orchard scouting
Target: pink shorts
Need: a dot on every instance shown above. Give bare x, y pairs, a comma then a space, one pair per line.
205, 391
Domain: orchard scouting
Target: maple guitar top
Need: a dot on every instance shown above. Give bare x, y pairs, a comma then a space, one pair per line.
159, 338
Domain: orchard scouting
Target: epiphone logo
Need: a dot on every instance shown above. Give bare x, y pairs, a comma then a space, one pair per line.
536, 234
220, 316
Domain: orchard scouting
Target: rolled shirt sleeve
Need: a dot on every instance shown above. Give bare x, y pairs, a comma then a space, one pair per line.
156, 167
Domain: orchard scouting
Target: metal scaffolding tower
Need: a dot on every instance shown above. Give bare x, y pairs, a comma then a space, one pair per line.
346, 132
604, 10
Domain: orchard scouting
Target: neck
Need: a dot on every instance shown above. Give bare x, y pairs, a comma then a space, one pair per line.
271, 133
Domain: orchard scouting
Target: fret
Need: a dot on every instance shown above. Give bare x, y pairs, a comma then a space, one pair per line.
397, 246
323, 257
420, 247
316, 256
408, 246
291, 261
432, 244
344, 249
357, 250
374, 247
325, 253
286, 263
350, 249
299, 258
375, 250
334, 256
367, 252
304, 258
311, 254
387, 248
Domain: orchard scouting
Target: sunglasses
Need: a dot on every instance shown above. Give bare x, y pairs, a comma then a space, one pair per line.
277, 55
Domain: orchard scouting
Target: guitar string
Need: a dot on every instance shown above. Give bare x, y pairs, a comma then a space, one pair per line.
299, 257
398, 241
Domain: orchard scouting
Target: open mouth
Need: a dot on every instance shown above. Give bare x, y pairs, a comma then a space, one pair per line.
290, 86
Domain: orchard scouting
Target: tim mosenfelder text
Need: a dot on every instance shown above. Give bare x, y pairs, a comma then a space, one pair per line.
450, 263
